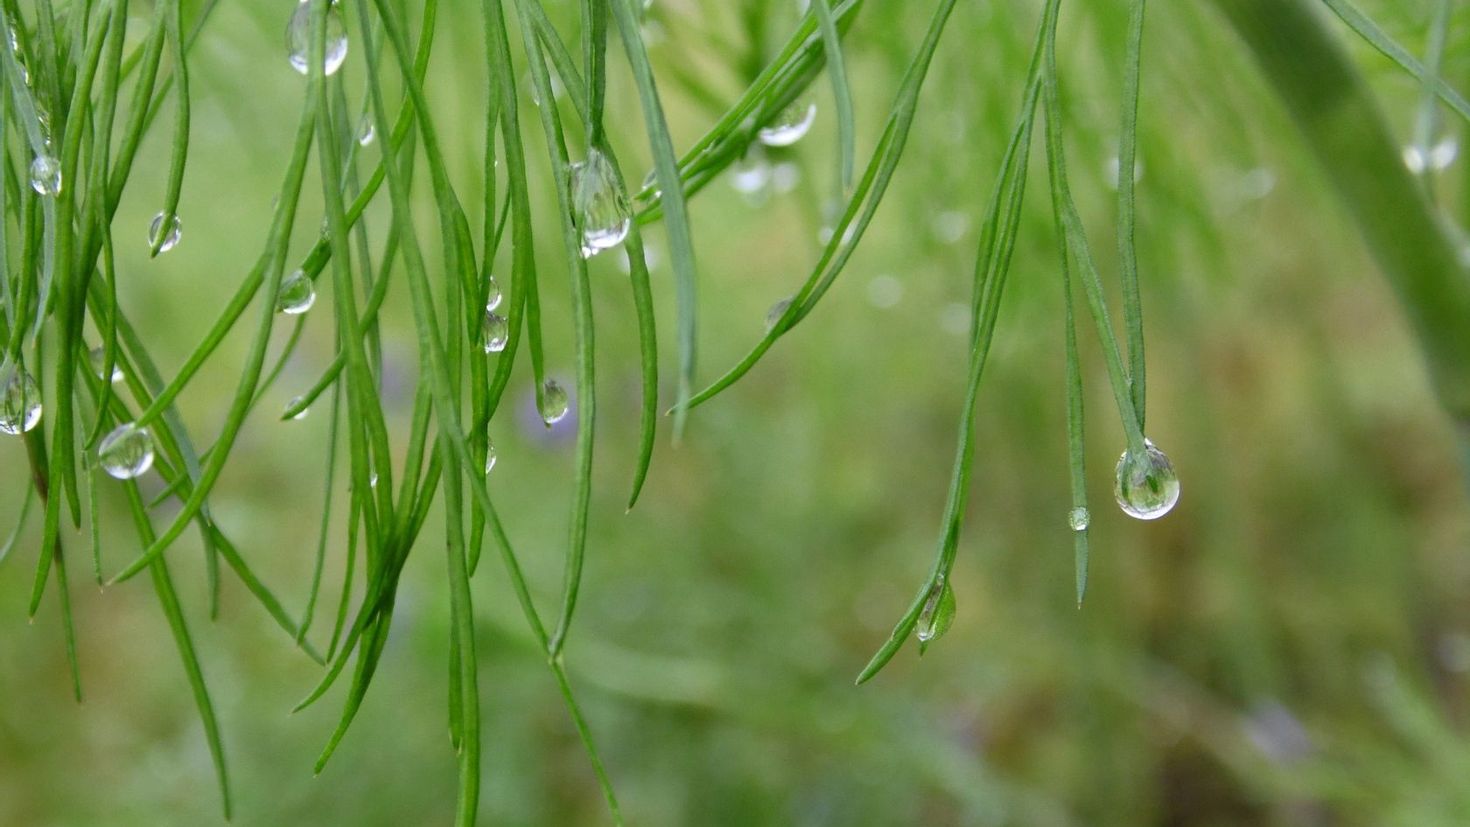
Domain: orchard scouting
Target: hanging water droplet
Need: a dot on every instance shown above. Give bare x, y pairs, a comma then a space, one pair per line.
1422, 159
752, 173
127, 452
493, 295
938, 613
296, 295
168, 228
20, 403
46, 174
1079, 518
298, 39
494, 332
489, 456
373, 480
790, 124
599, 204
301, 414
365, 131
1147, 487
98, 358
773, 316
554, 402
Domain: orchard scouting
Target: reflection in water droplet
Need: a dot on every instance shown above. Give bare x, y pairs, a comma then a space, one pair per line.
298, 39
127, 452
599, 204
1079, 518
494, 332
1147, 487
296, 295
938, 613
493, 296
365, 131
790, 124
164, 232
554, 403
46, 174
20, 402
489, 456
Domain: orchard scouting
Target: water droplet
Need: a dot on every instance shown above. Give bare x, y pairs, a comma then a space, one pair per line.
938, 613
951, 226
296, 295
599, 204
373, 480
301, 414
298, 39
1420, 159
1112, 169
1147, 487
365, 131
884, 292
790, 124
773, 316
127, 452
46, 174
20, 403
554, 402
752, 173
1079, 518
98, 358
489, 456
785, 176
493, 295
494, 332
171, 236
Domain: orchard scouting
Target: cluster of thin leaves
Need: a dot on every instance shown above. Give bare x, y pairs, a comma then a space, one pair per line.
71, 90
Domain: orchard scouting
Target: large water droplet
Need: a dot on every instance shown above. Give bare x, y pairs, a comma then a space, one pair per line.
494, 332
1079, 518
298, 39
296, 295
1147, 486
127, 452
489, 456
599, 204
46, 174
938, 613
98, 359
790, 124
20, 403
554, 402
493, 296
773, 316
166, 227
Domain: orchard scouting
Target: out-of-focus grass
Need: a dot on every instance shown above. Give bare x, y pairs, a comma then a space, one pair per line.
1291, 646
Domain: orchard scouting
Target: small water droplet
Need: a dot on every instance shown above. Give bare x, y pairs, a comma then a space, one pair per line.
790, 124
494, 332
1420, 159
1147, 487
20, 403
599, 203
296, 295
1112, 167
301, 414
46, 174
170, 236
373, 480
752, 173
773, 316
1079, 518
127, 452
554, 403
489, 456
785, 176
98, 357
365, 131
938, 613
493, 296
298, 39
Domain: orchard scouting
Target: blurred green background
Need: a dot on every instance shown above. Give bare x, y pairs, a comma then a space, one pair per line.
1291, 646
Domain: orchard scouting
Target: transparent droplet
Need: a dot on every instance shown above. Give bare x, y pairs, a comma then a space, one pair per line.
752, 173
127, 452
1079, 518
46, 174
298, 39
365, 131
20, 403
489, 456
938, 613
373, 480
1112, 170
98, 358
785, 176
296, 295
1422, 159
493, 296
1147, 487
773, 316
494, 332
790, 124
554, 402
301, 414
599, 204
167, 228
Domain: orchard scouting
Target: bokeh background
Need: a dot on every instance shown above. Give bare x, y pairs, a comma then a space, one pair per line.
1290, 646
